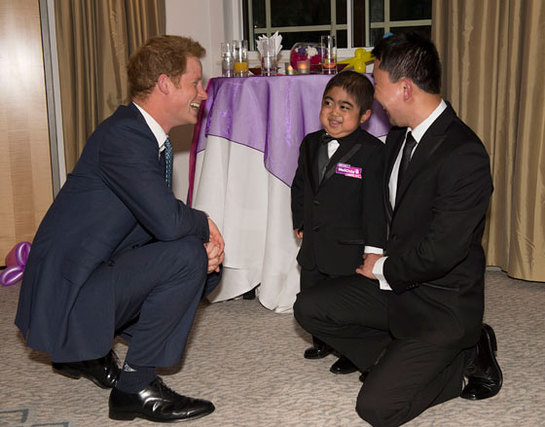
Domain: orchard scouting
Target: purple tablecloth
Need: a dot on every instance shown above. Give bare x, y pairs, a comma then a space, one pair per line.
271, 115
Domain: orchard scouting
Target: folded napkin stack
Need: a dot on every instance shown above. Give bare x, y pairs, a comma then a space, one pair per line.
275, 40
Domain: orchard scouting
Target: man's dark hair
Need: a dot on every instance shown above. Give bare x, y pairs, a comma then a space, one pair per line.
356, 85
412, 56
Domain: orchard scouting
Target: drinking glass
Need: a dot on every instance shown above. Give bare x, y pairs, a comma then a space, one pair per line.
227, 63
240, 56
329, 54
268, 58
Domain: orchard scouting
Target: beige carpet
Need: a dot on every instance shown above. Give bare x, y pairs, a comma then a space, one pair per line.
248, 361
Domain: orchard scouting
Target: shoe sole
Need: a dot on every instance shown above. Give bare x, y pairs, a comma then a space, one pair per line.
343, 372
128, 416
491, 338
316, 357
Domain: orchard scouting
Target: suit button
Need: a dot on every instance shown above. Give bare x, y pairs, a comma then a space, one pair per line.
316, 228
110, 263
316, 202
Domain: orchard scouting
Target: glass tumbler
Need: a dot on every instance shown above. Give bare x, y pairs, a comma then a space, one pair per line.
268, 58
227, 62
329, 54
240, 56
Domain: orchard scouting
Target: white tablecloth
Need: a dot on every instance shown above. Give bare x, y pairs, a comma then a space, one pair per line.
252, 210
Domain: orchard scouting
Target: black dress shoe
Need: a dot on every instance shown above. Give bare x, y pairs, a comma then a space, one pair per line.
156, 403
318, 351
104, 372
249, 295
483, 372
343, 366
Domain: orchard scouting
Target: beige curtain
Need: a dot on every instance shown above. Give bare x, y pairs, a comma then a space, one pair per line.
94, 41
493, 54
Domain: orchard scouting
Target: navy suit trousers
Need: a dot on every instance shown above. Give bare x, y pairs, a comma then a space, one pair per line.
156, 289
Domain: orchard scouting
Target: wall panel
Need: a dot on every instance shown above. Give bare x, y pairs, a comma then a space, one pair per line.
25, 166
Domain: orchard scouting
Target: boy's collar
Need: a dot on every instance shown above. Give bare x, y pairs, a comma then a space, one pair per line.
351, 137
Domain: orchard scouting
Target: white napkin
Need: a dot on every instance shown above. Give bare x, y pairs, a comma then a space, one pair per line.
275, 38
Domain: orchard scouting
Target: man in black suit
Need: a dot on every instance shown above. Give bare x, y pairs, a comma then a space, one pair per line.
413, 318
118, 254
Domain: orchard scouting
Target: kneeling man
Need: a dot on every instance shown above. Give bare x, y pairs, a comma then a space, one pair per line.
411, 320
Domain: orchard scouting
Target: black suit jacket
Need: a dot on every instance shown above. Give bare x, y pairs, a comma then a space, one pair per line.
115, 198
435, 259
342, 214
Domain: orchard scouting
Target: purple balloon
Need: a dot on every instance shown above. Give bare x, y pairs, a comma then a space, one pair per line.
18, 255
11, 275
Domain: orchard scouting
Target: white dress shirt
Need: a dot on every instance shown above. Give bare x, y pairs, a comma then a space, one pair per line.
332, 147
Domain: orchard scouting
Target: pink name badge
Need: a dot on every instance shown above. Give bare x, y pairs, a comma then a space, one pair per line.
349, 171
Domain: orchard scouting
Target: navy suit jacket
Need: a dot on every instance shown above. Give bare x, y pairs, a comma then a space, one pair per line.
115, 198
341, 214
435, 262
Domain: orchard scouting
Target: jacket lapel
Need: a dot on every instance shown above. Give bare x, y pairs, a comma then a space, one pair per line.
341, 156
312, 154
428, 145
347, 149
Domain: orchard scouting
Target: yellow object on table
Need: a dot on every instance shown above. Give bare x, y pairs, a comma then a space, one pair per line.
360, 60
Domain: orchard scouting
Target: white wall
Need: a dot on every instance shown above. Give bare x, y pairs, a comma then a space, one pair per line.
209, 22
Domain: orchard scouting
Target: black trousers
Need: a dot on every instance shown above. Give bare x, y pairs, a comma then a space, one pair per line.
406, 376
309, 278
156, 289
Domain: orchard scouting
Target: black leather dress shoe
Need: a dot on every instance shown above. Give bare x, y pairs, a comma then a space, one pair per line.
318, 352
483, 372
156, 403
343, 366
104, 372
249, 295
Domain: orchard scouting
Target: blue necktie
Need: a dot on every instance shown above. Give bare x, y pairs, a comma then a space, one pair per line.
168, 162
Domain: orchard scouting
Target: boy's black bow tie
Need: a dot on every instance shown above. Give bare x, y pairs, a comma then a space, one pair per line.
326, 138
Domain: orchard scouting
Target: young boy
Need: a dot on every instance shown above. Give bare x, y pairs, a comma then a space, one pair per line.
337, 198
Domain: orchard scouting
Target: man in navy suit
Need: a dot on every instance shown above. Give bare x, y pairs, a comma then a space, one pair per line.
118, 254
413, 318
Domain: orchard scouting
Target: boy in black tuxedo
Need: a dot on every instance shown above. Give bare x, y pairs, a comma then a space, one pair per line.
337, 193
